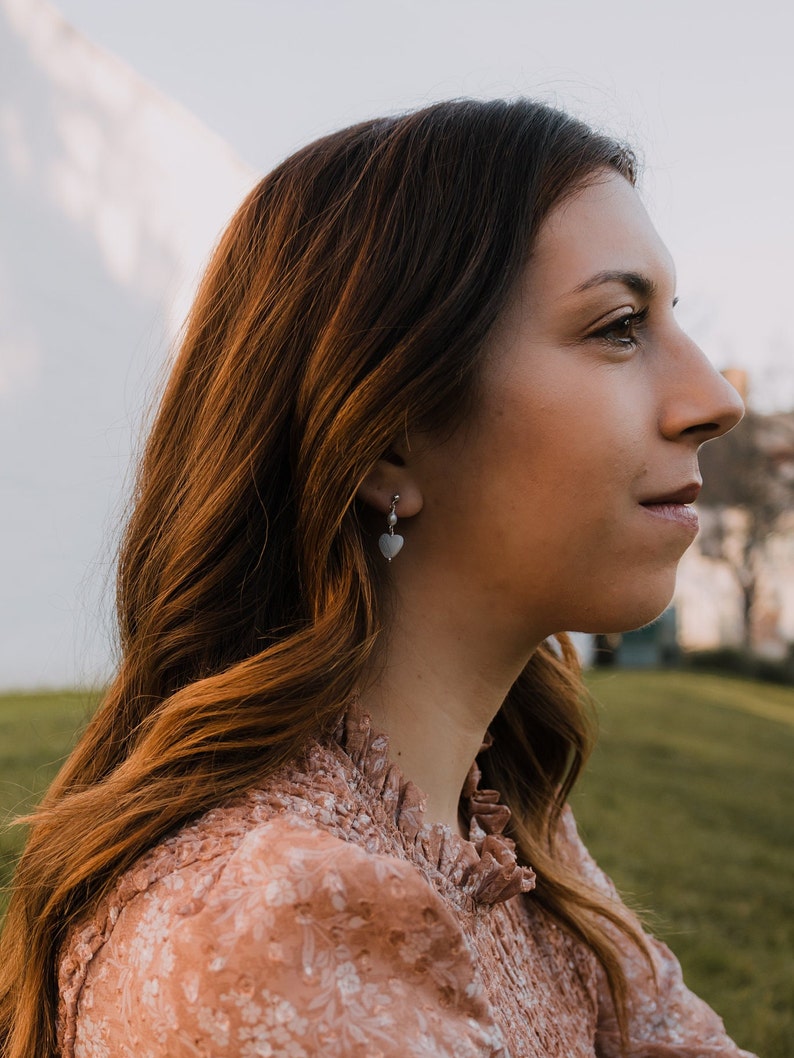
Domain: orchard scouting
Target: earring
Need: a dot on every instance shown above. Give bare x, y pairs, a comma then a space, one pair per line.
391, 542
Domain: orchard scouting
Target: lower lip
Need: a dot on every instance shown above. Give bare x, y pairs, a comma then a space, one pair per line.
674, 512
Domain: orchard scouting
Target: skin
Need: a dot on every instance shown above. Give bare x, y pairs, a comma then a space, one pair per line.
528, 520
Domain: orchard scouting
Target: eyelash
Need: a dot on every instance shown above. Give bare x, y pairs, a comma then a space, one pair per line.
632, 320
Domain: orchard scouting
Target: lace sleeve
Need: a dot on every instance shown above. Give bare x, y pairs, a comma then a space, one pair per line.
303, 946
666, 1020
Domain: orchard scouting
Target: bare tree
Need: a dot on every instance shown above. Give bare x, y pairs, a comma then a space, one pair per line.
748, 486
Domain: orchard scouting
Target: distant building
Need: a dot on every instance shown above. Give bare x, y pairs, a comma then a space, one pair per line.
708, 598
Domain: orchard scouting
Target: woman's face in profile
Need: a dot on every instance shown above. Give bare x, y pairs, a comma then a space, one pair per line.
593, 403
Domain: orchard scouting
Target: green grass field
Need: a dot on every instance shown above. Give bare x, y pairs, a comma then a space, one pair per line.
36, 733
688, 804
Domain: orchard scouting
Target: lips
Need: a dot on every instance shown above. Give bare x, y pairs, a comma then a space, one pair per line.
673, 507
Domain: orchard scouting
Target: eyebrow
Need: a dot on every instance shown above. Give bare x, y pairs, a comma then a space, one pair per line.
634, 281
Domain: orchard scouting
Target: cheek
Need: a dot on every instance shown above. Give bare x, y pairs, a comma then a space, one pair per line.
568, 448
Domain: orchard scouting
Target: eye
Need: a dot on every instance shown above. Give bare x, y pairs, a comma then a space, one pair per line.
624, 330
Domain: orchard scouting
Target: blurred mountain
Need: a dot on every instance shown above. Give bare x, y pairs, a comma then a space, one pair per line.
111, 196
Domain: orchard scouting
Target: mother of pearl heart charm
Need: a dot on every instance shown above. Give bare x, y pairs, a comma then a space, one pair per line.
391, 542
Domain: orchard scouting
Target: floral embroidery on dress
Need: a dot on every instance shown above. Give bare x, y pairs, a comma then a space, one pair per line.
321, 916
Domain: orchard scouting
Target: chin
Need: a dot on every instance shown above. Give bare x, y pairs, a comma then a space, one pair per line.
626, 613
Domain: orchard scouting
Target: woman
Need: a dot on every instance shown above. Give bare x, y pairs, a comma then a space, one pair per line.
432, 407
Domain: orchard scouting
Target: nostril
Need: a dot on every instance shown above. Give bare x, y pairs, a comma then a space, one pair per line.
704, 427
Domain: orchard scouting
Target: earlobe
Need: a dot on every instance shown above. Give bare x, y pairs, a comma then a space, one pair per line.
387, 479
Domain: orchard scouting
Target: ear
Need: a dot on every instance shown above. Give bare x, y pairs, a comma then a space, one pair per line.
391, 477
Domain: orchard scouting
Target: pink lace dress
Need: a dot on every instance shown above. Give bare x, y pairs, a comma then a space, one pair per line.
319, 916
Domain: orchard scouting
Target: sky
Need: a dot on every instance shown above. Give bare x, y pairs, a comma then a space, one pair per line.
704, 90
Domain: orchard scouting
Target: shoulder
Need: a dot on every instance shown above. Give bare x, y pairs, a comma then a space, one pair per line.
280, 936
288, 866
285, 874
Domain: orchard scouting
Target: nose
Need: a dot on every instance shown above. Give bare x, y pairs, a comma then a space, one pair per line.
701, 403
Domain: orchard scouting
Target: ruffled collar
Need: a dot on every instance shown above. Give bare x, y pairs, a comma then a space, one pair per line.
483, 868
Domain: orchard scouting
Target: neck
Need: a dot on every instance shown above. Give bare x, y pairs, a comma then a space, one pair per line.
437, 687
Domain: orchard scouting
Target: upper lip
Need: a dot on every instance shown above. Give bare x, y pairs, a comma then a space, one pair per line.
686, 494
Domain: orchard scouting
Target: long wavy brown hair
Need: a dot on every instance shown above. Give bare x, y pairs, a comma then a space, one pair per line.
347, 303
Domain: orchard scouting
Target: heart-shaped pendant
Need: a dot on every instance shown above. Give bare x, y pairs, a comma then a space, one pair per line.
390, 544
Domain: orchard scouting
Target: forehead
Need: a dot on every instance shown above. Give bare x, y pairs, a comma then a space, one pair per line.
602, 228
